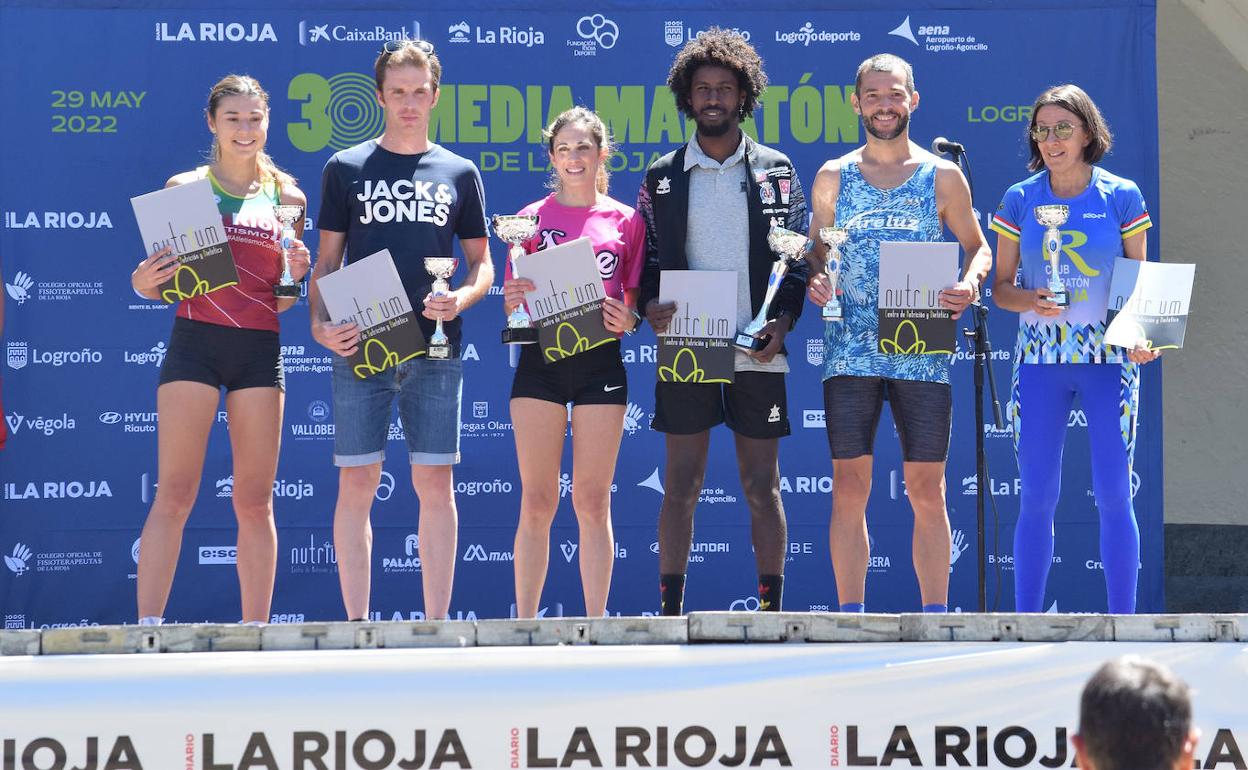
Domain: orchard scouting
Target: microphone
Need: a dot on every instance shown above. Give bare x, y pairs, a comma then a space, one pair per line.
942, 146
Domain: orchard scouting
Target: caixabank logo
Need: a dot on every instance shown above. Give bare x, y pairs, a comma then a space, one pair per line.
314, 31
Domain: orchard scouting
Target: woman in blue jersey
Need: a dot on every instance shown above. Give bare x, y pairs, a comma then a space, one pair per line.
1061, 351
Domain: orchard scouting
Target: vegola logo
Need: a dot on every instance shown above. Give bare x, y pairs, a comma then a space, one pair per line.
568, 548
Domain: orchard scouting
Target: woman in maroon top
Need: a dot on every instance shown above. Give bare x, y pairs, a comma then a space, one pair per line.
228, 338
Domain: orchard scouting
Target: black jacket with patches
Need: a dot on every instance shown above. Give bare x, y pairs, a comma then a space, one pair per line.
664, 205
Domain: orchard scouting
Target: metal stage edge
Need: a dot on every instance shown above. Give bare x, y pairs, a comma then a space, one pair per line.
696, 628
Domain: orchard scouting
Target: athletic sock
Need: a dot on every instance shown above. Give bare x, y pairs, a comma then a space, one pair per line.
770, 592
854, 607
151, 620
936, 608
671, 594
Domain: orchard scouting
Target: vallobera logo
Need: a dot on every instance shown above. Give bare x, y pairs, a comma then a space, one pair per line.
311, 33
215, 32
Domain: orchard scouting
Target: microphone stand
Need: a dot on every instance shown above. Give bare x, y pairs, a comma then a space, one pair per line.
981, 346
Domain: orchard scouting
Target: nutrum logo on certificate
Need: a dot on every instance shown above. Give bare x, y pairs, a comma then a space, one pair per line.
567, 304
369, 293
1149, 303
697, 346
185, 218
912, 275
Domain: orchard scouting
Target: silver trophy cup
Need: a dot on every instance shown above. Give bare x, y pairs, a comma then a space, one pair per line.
790, 248
833, 238
441, 268
288, 215
1053, 217
515, 230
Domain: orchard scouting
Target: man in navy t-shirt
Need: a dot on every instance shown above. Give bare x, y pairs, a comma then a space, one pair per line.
403, 193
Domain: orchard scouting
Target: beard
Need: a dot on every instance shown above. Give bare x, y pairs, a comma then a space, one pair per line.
903, 122
718, 128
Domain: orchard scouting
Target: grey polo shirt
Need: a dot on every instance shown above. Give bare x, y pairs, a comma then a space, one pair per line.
718, 234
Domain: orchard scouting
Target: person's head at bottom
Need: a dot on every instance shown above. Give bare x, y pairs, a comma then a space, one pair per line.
1135, 715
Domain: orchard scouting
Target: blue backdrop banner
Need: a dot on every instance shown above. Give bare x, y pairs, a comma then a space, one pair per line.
107, 103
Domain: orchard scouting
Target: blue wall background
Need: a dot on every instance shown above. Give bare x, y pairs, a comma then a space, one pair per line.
105, 103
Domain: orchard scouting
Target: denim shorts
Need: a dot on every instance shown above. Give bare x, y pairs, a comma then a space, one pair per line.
429, 395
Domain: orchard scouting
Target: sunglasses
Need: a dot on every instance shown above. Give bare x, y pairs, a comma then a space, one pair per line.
394, 46
1063, 130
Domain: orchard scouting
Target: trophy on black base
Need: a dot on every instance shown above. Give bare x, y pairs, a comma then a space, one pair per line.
441, 268
790, 248
1052, 217
833, 238
515, 230
288, 215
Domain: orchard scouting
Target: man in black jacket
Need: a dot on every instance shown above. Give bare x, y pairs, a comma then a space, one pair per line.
708, 206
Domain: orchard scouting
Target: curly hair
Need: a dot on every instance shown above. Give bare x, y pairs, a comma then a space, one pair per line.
720, 48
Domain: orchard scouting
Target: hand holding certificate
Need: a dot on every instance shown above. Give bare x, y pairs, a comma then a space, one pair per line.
567, 301
370, 294
184, 222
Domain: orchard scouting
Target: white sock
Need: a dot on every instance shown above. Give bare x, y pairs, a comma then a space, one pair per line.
151, 620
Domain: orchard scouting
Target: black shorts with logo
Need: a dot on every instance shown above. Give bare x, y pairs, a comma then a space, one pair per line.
223, 356
594, 377
922, 413
755, 405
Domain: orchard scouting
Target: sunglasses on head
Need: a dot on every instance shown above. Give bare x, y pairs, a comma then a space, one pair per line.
1063, 130
394, 46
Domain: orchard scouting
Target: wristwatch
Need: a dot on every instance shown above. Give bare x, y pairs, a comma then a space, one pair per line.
636, 323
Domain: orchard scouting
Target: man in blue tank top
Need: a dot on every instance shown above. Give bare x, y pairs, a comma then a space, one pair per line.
890, 189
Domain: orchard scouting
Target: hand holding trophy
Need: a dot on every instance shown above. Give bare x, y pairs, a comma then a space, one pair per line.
441, 268
833, 238
1053, 217
515, 230
790, 248
288, 215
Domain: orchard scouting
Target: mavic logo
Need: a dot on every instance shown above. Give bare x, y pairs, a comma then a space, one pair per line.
1077, 419
477, 552
903, 30
569, 550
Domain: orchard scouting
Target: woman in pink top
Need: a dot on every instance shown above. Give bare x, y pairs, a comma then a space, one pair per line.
226, 339
593, 382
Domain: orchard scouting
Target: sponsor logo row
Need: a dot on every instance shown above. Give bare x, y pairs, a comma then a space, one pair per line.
590, 34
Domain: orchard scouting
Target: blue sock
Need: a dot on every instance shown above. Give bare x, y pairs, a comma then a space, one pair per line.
854, 607
937, 608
